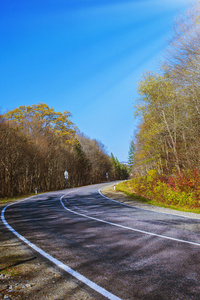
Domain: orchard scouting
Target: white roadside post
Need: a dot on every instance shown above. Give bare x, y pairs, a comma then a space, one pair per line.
107, 176
66, 175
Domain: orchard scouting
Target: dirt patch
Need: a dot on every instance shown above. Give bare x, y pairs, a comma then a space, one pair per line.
25, 275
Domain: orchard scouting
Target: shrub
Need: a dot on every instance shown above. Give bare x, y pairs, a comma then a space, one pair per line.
181, 190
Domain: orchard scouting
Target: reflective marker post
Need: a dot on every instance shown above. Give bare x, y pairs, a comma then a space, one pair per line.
107, 176
66, 175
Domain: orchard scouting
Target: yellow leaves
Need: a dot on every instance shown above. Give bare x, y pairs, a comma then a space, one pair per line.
45, 117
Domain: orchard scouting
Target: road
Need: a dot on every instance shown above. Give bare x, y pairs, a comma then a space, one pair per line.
118, 251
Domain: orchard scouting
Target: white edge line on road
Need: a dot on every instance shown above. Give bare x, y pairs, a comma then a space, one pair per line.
58, 263
159, 212
126, 227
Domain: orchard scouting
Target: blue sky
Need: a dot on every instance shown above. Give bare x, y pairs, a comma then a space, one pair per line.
84, 56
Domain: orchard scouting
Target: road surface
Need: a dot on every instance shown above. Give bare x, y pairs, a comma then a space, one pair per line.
117, 251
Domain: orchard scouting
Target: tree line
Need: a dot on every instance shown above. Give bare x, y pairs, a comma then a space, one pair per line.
38, 144
168, 136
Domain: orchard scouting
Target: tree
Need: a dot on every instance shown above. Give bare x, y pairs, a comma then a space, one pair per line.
131, 154
100, 162
120, 170
160, 111
168, 136
59, 123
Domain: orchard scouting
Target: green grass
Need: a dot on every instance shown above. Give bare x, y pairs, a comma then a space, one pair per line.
12, 199
11, 271
127, 189
8, 265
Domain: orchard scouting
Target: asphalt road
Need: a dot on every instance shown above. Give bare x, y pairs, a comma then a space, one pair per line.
120, 252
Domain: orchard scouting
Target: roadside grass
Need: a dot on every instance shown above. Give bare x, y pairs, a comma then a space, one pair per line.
9, 265
12, 271
7, 200
127, 188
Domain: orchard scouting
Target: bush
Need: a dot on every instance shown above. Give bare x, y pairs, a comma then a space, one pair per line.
181, 190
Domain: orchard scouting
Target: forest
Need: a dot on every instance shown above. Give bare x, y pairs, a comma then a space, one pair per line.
164, 155
38, 145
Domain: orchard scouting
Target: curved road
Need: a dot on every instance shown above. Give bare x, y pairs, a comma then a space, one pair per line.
120, 252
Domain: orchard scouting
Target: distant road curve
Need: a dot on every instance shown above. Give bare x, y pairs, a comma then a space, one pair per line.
120, 252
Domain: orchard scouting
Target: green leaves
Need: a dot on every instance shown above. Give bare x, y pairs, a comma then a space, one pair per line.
120, 170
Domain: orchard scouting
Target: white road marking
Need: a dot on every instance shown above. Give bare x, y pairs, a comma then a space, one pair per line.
58, 263
80, 209
159, 212
124, 204
76, 207
126, 227
72, 272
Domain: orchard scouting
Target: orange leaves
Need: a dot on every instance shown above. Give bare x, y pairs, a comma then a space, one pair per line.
179, 190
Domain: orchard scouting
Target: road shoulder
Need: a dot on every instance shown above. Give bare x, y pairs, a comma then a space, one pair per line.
123, 198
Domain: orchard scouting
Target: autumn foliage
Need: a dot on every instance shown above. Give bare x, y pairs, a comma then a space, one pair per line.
168, 137
38, 144
179, 190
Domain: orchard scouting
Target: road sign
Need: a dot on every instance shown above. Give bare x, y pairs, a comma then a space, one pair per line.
66, 174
